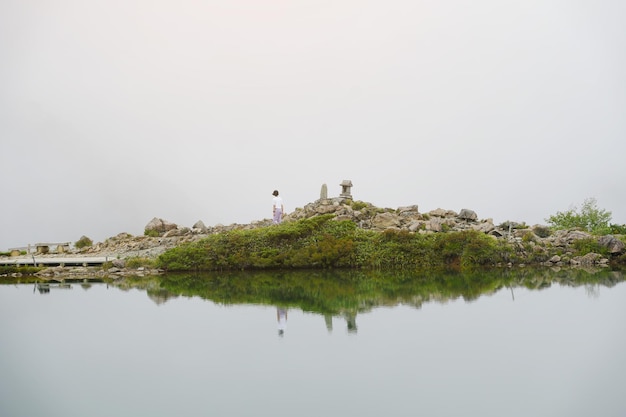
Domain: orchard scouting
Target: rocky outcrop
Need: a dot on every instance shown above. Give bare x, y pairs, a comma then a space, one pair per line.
160, 226
538, 242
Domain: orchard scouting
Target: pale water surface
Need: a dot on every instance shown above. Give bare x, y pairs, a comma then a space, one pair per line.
98, 350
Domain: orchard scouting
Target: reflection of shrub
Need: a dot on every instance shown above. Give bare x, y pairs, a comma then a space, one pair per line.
83, 242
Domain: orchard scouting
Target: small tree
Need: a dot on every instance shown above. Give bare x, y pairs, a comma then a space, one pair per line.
590, 218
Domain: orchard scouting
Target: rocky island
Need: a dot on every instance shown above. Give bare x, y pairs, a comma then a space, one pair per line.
538, 244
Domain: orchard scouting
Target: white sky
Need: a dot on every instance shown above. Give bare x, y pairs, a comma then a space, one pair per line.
114, 112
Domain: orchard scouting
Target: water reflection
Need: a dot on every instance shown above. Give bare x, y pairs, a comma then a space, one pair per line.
281, 317
115, 347
345, 294
45, 287
350, 318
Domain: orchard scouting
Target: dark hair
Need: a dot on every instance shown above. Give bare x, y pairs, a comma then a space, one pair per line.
275, 192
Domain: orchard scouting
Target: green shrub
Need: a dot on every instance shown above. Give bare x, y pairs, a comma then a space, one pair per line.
358, 205
151, 233
83, 242
588, 245
617, 229
589, 218
138, 262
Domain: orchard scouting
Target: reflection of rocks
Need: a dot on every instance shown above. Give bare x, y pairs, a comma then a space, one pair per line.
93, 272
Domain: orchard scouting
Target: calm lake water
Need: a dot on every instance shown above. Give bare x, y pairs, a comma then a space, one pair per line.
317, 344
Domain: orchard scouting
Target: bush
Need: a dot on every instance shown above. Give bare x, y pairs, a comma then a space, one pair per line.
590, 218
83, 242
151, 233
137, 262
358, 205
617, 229
589, 245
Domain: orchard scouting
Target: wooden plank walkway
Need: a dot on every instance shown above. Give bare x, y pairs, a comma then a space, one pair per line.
35, 260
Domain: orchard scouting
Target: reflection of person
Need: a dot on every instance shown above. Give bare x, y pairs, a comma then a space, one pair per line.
281, 316
350, 317
277, 207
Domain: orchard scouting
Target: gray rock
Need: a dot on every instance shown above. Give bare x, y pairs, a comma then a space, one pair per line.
119, 263
385, 220
199, 225
613, 244
160, 225
467, 214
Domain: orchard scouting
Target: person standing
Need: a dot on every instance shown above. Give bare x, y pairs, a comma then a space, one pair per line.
277, 208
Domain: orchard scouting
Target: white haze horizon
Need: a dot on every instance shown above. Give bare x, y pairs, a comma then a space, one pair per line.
113, 113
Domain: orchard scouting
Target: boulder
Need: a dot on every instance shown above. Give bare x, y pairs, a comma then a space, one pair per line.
438, 213
555, 259
485, 226
613, 244
385, 221
587, 260
434, 225
573, 235
469, 215
408, 210
160, 225
119, 263
199, 225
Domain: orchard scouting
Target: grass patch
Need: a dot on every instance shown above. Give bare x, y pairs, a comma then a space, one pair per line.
322, 242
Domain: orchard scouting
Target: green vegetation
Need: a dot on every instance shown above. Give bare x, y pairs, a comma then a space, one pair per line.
151, 233
589, 218
358, 205
139, 262
322, 242
617, 229
83, 242
588, 245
